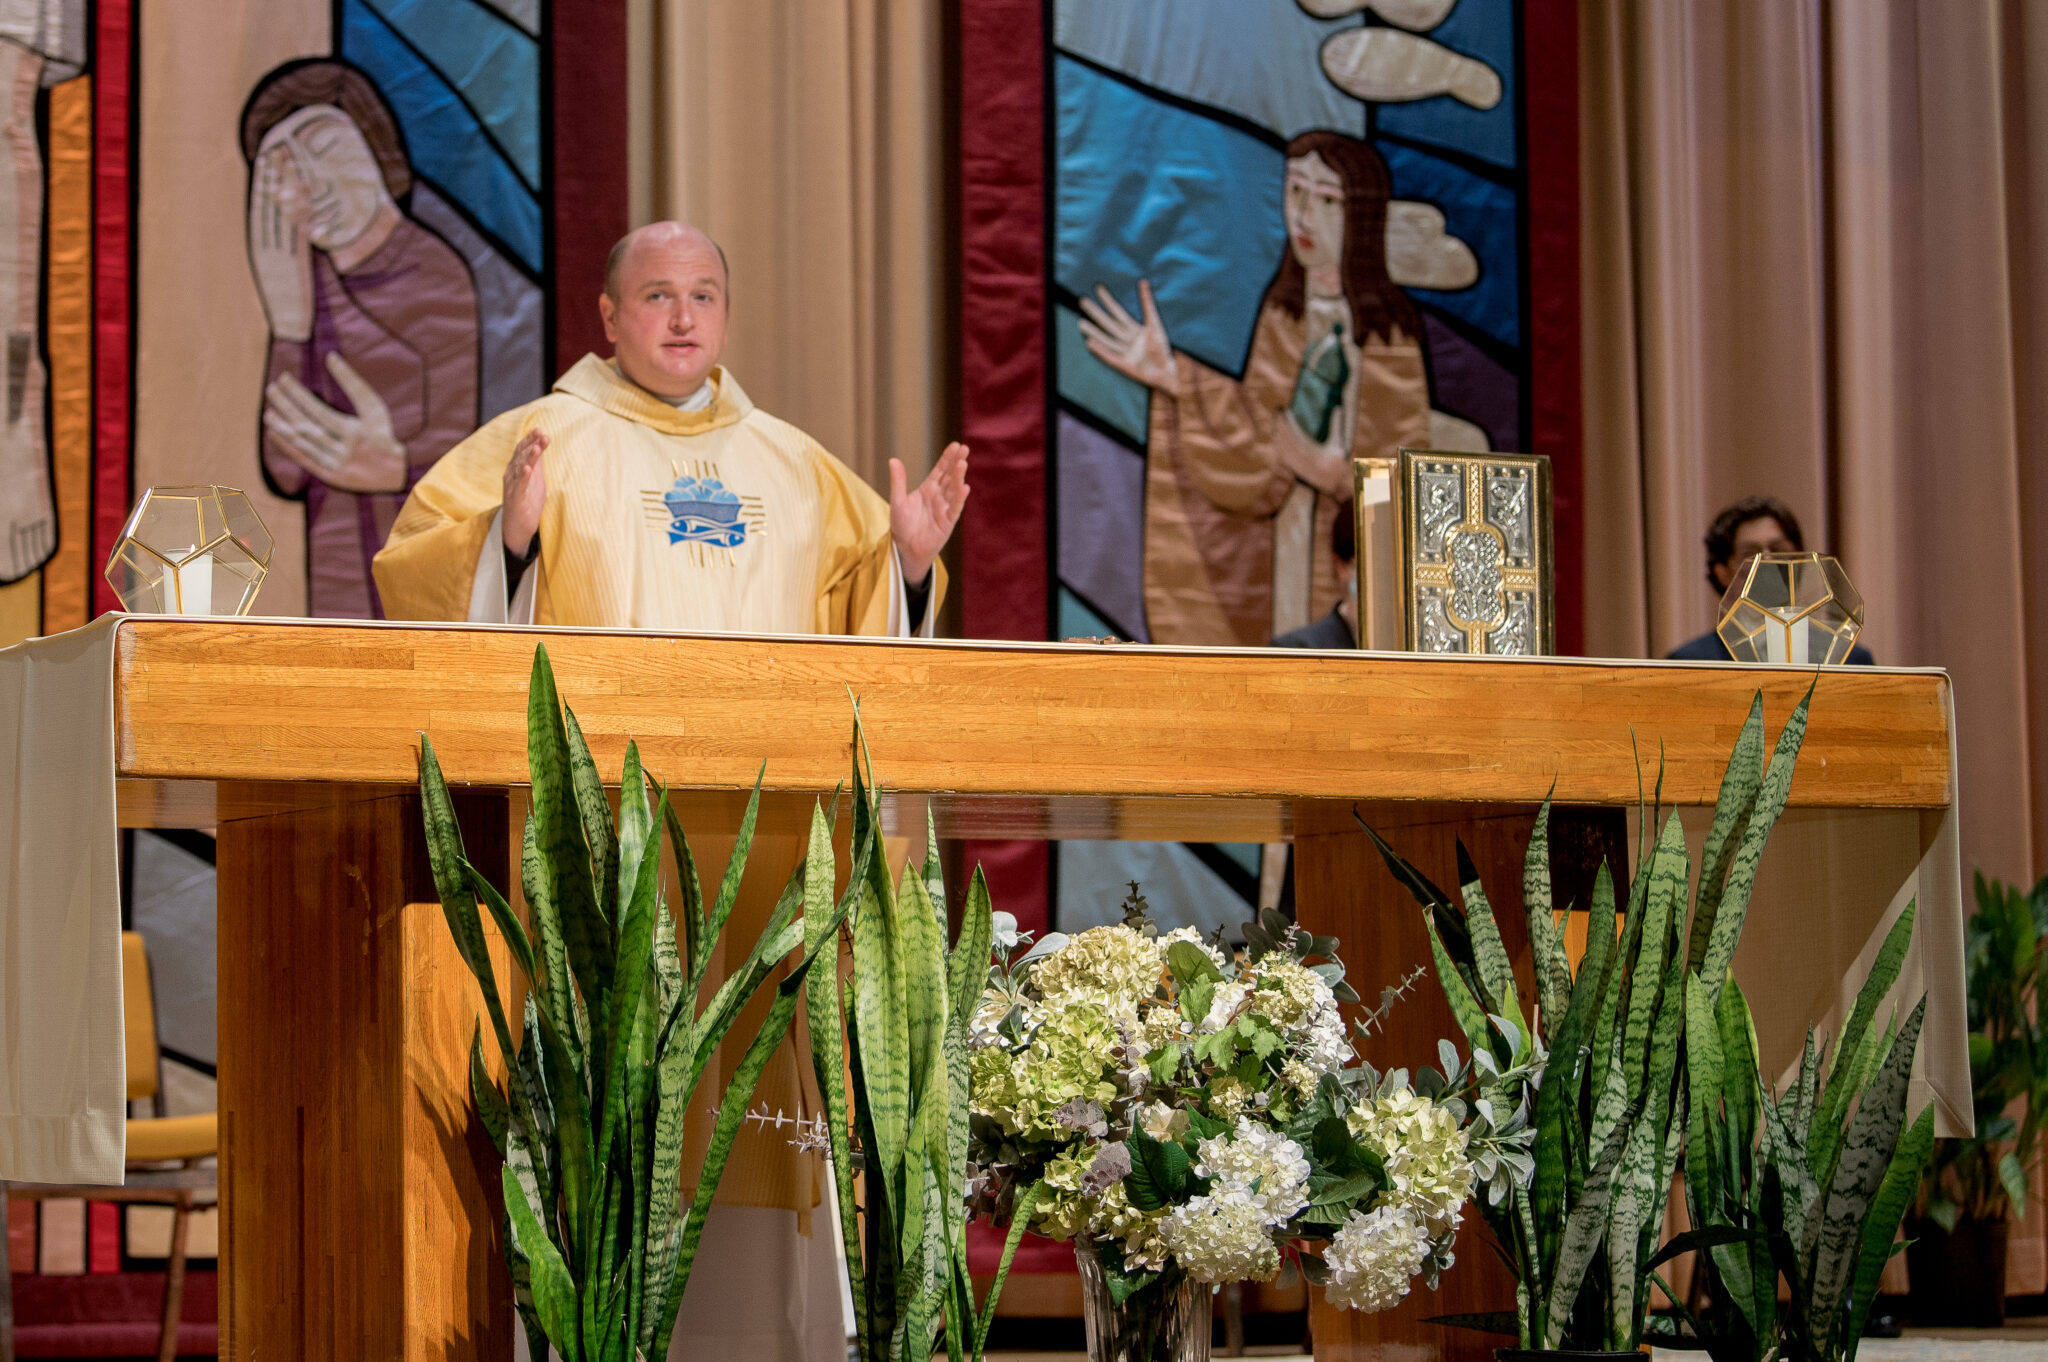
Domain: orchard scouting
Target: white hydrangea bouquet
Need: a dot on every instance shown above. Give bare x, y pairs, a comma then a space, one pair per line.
1192, 1116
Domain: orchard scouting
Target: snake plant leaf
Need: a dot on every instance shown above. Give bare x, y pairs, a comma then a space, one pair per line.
1020, 1216
1772, 792
592, 807
1584, 1230
1856, 1048
662, 1241
1466, 1009
451, 884
1866, 1154
1628, 1208
1552, 1188
557, 981
825, 1015
1552, 967
1496, 972
559, 831
732, 1110
1706, 1237
1808, 1089
729, 886
572, 1115
1881, 1227
634, 1004
1704, 1175
1669, 872
696, 935
934, 873
924, 976
780, 935
490, 1103
882, 1025
554, 1291
509, 925
1732, 807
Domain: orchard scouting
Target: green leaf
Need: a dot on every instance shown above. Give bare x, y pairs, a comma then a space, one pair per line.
1485, 1322
490, 1103
1733, 908
558, 827
1470, 1015
1706, 1237
1585, 1229
1191, 964
1496, 972
1739, 785
451, 883
508, 922
736, 864
1859, 1049
2013, 1178
592, 807
554, 1291
1881, 1226
1159, 1172
1866, 1155
732, 1109
1020, 1217
1552, 966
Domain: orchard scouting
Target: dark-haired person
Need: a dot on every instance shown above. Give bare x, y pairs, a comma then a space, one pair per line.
1339, 628
372, 371
1244, 476
1751, 526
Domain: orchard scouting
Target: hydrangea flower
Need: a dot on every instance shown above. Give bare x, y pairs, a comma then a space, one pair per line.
1074, 1055
1270, 1169
1113, 965
1222, 1237
1373, 1257
1424, 1151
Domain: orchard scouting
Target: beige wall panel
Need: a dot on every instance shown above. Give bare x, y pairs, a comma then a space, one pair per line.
200, 335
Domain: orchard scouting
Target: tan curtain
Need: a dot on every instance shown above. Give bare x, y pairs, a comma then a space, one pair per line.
806, 136
1815, 249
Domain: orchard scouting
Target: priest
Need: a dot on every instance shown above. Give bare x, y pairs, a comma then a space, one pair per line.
649, 492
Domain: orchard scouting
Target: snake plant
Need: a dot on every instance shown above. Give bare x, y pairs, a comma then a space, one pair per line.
890, 1052
1810, 1185
1594, 1068
613, 1043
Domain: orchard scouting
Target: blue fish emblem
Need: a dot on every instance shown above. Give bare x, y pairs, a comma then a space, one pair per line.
702, 511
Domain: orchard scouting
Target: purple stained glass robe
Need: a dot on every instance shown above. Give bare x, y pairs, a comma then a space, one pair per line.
406, 320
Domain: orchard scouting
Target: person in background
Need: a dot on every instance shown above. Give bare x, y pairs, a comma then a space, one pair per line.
1751, 526
1339, 628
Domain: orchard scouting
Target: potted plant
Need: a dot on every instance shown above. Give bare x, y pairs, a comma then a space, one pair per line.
613, 1042
1807, 1187
1973, 1186
1189, 1116
1597, 1076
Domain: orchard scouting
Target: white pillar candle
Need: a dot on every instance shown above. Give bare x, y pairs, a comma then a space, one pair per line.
194, 579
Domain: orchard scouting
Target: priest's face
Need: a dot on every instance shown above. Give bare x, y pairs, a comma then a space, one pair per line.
667, 324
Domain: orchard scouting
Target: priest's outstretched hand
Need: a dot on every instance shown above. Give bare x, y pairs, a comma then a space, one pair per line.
526, 491
920, 522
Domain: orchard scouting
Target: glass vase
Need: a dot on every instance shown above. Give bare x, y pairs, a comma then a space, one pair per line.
1167, 1321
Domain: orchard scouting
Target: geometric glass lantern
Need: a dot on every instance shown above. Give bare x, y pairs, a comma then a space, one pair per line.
190, 551
1798, 608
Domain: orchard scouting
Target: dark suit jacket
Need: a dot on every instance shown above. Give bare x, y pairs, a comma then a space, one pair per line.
1708, 647
1328, 632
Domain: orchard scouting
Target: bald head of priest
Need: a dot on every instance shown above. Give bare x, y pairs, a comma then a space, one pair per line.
647, 491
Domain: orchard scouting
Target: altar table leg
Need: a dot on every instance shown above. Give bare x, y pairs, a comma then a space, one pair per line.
355, 1223
1343, 889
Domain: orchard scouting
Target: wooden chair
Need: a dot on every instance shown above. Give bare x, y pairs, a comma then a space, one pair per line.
165, 1154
